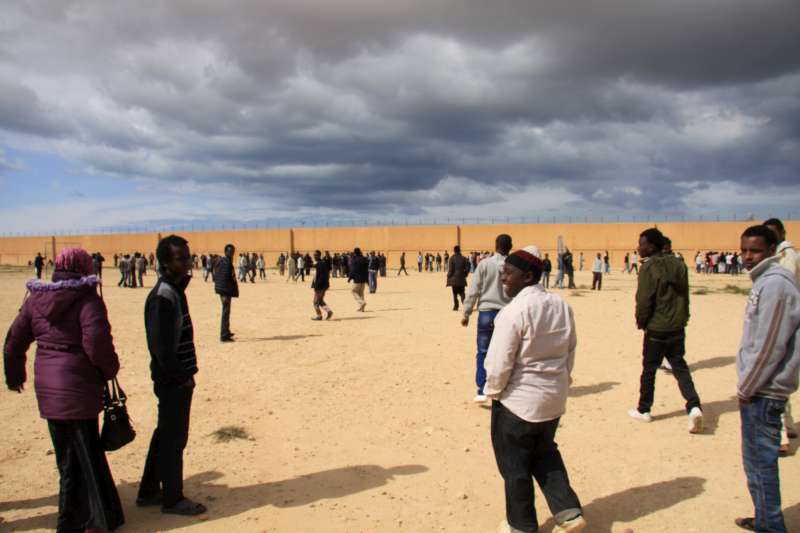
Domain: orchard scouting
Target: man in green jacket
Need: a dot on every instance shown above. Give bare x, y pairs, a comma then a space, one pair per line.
662, 311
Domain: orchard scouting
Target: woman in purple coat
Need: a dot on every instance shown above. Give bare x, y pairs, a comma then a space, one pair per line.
74, 358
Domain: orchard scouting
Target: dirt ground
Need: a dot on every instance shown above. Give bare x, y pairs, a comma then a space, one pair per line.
366, 423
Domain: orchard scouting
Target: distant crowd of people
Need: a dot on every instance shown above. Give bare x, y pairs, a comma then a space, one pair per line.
526, 344
719, 263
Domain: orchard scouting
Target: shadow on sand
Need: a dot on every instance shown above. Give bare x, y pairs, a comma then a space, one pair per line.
714, 362
279, 338
634, 503
224, 501
597, 388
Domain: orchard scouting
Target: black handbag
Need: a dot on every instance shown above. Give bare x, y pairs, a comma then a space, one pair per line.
117, 429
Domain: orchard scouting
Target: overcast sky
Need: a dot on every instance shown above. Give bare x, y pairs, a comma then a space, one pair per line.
145, 112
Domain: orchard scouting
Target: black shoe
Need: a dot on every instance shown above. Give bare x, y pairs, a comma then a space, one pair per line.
226, 339
185, 507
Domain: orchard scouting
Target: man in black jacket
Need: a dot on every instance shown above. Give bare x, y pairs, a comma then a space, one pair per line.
38, 265
173, 364
359, 275
457, 271
227, 287
320, 284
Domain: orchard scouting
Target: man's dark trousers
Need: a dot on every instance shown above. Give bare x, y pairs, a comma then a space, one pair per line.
597, 280
225, 326
164, 465
524, 451
670, 345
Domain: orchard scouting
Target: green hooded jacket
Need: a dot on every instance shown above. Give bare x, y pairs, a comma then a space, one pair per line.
662, 297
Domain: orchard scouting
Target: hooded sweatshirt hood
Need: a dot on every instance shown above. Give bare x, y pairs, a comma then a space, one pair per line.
54, 298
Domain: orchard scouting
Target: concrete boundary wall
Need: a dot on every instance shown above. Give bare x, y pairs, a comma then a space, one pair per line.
616, 238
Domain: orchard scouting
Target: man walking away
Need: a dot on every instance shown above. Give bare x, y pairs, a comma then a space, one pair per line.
173, 364
597, 273
358, 274
767, 365
487, 292
662, 311
528, 369
226, 286
320, 284
38, 265
457, 271
419, 261
402, 264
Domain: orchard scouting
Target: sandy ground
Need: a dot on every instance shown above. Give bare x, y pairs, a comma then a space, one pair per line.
366, 423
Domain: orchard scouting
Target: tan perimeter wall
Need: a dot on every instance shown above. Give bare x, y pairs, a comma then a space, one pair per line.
617, 239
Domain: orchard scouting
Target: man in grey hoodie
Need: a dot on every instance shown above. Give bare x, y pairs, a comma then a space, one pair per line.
487, 292
767, 365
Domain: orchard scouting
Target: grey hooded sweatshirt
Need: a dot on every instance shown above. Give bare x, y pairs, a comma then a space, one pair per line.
768, 361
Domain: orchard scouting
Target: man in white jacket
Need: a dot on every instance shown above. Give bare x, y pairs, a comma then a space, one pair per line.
528, 369
487, 292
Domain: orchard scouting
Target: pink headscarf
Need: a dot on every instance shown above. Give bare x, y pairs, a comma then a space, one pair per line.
75, 260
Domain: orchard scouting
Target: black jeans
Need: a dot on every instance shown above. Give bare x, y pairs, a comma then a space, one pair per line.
524, 451
225, 323
457, 291
87, 497
597, 280
163, 469
657, 346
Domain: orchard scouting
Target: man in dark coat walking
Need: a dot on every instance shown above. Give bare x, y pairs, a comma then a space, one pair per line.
457, 271
226, 286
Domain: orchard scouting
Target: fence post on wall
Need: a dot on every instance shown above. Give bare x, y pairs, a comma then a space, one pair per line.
291, 241
458, 236
53, 246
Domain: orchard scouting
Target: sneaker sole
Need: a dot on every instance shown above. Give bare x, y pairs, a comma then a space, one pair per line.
573, 526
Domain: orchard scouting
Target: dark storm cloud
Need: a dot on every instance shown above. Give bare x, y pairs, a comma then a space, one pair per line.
412, 105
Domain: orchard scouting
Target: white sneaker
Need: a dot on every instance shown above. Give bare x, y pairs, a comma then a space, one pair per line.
480, 398
641, 417
571, 526
695, 420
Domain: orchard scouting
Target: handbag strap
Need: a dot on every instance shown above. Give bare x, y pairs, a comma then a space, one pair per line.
114, 395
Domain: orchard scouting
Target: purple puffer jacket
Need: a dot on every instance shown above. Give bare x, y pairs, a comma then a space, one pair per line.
75, 353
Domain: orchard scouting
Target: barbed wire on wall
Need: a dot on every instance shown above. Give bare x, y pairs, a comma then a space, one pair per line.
337, 222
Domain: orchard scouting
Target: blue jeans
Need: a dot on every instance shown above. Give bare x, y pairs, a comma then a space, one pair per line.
485, 330
373, 280
761, 436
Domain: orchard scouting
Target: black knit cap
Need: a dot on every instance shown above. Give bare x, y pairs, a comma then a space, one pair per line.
526, 262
